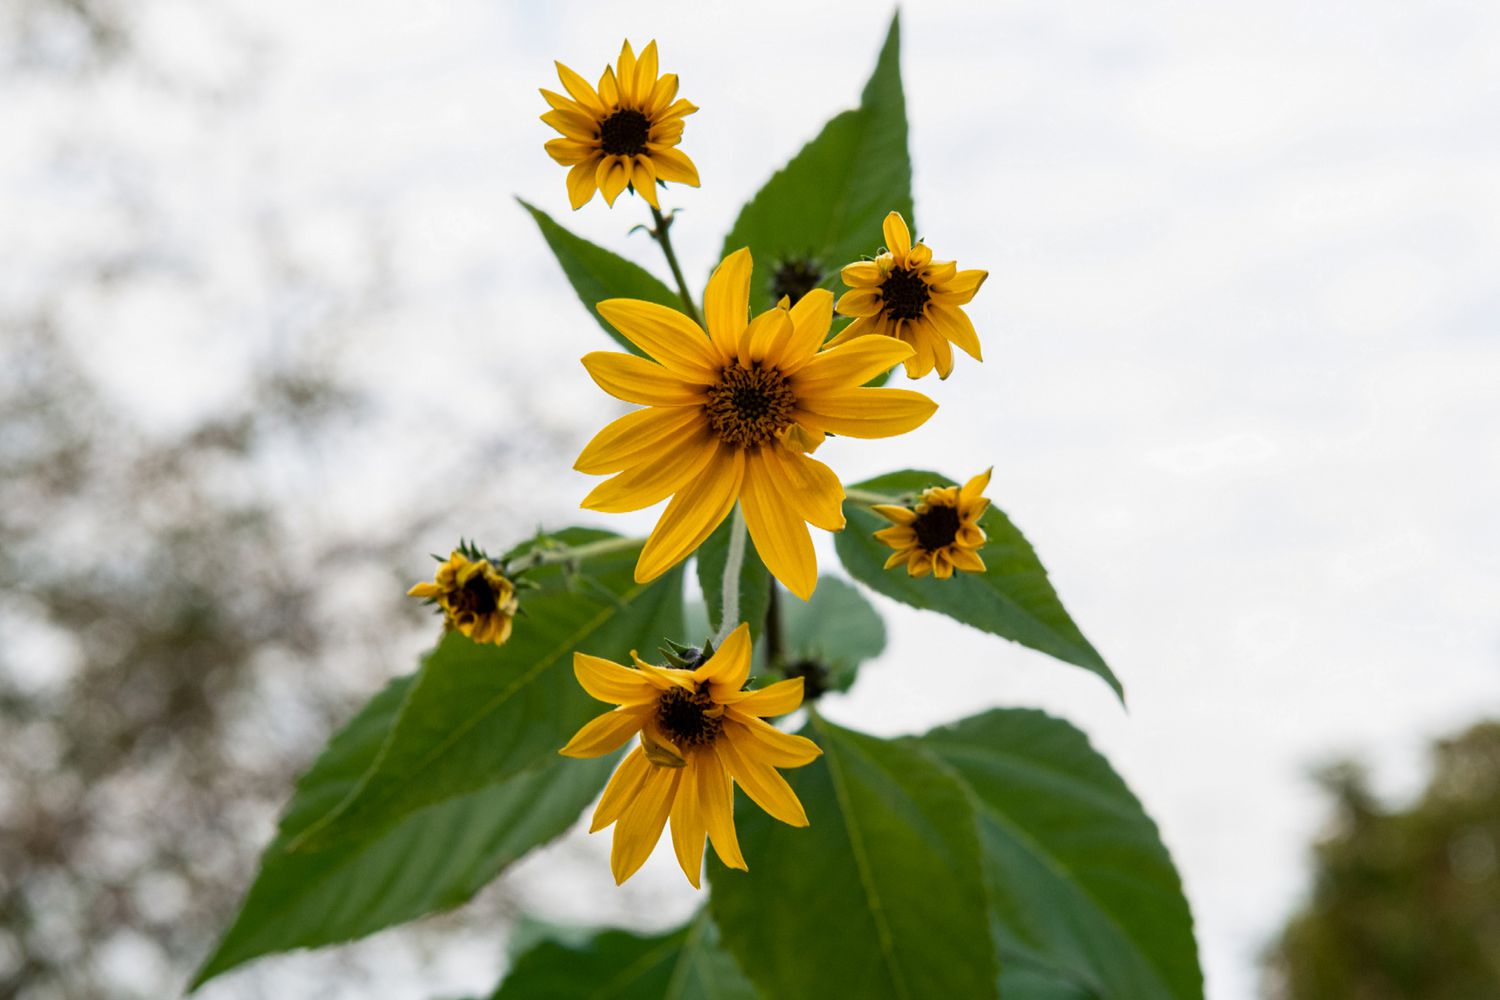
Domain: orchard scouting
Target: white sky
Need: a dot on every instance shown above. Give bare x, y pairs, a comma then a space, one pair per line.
1240, 330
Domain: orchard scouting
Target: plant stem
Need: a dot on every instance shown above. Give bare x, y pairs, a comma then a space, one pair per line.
662, 236
866, 497
548, 557
729, 593
775, 653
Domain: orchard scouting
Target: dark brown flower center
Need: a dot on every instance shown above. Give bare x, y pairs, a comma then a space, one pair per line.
684, 719
750, 406
936, 527
624, 133
904, 294
795, 278
476, 597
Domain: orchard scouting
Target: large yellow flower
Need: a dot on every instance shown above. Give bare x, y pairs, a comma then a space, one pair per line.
904, 293
622, 134
942, 533
476, 598
699, 734
730, 415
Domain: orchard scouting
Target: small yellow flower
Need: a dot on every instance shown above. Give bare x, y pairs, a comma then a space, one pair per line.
699, 734
942, 534
904, 293
476, 598
731, 415
622, 134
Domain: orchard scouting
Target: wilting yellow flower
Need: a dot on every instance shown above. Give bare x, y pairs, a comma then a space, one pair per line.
730, 415
476, 598
942, 534
621, 134
906, 294
699, 733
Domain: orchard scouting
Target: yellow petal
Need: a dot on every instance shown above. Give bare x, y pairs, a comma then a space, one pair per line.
765, 787
608, 733
662, 92
609, 681
974, 489
862, 274
636, 436
424, 590
866, 413
811, 488
637, 380
581, 186
665, 334
653, 481
643, 176
942, 353
811, 318
954, 325
621, 790
716, 795
897, 558
570, 151
609, 88
894, 513
780, 535
763, 742
645, 74
558, 101
860, 302
777, 699
726, 302
580, 90
942, 565
612, 176
897, 236
729, 667
639, 829
696, 510
864, 326
766, 336
572, 124
918, 257
966, 559
626, 74
850, 364
962, 285
688, 824
673, 166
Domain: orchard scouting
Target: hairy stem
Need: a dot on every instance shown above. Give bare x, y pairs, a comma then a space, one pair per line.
734, 563
661, 235
544, 556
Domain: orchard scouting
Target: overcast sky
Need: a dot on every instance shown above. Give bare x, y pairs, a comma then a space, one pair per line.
1242, 377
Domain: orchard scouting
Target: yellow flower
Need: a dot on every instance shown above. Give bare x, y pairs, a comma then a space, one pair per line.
622, 134
942, 534
906, 294
699, 733
475, 597
730, 415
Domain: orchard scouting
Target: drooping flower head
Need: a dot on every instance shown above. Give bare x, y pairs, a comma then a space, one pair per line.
623, 134
904, 293
730, 415
700, 732
476, 598
942, 533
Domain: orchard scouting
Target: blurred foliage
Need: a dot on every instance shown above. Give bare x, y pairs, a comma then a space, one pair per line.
1406, 902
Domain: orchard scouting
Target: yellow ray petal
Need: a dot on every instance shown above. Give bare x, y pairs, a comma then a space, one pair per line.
569, 152
765, 787
966, 559
894, 513
862, 274
581, 186
625, 76
653, 481
643, 176
956, 326
645, 74
942, 353
673, 166
662, 92
688, 824
811, 318
580, 90
864, 326
971, 535
665, 334
763, 742
860, 302
729, 667
716, 795
609, 88
572, 124
428, 589
726, 302
866, 413
637, 380
639, 829
897, 236
777, 699
850, 364
608, 733
636, 436
621, 790
765, 336
918, 257
612, 177
609, 681
974, 489
696, 510
812, 489
780, 535
962, 286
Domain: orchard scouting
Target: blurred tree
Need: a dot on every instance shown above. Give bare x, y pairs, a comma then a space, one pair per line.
1406, 903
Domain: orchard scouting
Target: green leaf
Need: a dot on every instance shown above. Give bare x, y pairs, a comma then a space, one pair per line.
685, 964
753, 584
881, 896
1082, 891
598, 274
434, 859
831, 635
1013, 599
479, 714
827, 204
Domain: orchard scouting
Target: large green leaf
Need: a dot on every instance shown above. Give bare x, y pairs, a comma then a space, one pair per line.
433, 859
881, 896
1013, 599
598, 274
685, 964
827, 204
479, 714
751, 589
1083, 895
